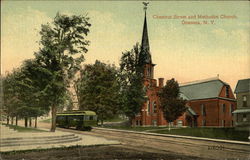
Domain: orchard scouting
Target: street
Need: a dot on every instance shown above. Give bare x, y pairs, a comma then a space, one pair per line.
141, 146
185, 147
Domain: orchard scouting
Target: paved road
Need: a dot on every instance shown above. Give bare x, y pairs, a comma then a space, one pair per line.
185, 147
157, 144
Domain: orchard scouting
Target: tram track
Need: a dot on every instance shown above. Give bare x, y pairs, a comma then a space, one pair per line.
176, 141
171, 144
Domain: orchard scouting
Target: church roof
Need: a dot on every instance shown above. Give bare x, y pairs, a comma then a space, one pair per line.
243, 85
191, 111
210, 88
145, 56
247, 110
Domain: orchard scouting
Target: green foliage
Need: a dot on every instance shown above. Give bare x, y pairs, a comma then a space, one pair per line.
21, 92
172, 105
42, 83
29, 112
35, 79
11, 92
60, 57
98, 89
131, 81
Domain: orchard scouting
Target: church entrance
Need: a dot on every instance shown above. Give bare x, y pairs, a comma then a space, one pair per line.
191, 121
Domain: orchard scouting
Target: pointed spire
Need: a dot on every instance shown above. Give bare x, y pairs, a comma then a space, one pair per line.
145, 56
144, 41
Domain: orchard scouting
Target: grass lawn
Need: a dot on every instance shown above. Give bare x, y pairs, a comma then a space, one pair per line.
115, 119
24, 129
137, 128
217, 133
46, 120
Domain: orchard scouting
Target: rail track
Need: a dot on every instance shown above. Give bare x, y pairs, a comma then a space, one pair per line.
161, 144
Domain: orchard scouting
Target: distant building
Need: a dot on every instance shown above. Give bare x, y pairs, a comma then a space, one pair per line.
211, 103
242, 114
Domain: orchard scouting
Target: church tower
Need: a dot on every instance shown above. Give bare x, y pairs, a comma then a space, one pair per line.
150, 114
145, 56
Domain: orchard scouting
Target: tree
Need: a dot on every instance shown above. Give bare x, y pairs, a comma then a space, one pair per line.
33, 83
98, 89
131, 80
21, 92
63, 45
172, 105
12, 94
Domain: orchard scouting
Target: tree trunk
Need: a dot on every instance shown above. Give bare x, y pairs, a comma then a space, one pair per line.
16, 120
8, 120
36, 122
53, 121
26, 122
98, 121
102, 120
12, 120
30, 122
131, 122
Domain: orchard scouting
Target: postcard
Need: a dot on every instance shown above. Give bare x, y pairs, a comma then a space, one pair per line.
125, 80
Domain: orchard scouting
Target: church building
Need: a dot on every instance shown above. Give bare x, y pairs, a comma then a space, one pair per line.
209, 102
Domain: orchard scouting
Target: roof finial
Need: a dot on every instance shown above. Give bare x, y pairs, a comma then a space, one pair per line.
145, 5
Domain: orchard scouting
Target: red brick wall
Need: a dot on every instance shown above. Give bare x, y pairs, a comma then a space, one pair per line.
214, 114
227, 114
145, 117
211, 108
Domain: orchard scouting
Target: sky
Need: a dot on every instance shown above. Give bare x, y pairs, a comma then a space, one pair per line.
186, 52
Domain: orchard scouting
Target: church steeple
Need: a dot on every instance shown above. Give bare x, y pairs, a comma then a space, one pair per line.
145, 56
144, 41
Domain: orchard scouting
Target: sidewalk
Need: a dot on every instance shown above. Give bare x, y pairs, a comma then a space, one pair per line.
11, 140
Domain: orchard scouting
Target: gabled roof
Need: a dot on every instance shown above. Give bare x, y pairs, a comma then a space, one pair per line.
242, 86
205, 89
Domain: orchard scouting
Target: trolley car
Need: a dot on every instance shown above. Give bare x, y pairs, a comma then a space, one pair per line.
82, 120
